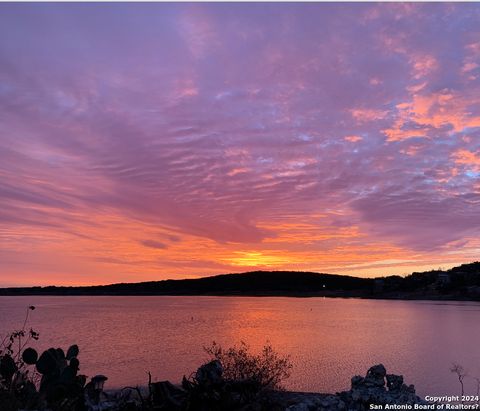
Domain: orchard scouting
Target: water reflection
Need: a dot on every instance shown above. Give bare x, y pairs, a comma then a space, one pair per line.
329, 339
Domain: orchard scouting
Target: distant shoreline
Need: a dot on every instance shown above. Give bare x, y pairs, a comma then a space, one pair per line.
457, 284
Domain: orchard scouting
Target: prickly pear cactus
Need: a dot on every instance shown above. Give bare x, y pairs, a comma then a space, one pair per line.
47, 363
72, 352
30, 356
60, 381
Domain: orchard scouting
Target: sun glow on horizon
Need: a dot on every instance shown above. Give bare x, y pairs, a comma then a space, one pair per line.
257, 259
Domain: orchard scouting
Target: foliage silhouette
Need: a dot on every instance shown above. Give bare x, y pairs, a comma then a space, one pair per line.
267, 369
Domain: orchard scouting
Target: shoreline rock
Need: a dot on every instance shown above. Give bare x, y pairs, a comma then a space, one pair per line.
377, 387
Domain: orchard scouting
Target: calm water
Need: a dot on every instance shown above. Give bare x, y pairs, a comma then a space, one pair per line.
329, 340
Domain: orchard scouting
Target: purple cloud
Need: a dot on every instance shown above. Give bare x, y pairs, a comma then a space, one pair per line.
153, 244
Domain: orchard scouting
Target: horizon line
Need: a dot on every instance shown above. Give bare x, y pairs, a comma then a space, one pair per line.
230, 274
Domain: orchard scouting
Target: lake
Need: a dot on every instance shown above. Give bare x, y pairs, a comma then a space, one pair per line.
329, 339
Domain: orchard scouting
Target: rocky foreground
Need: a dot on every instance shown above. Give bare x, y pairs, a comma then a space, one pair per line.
377, 387
211, 392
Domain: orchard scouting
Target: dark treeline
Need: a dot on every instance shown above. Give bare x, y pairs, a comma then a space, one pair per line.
461, 282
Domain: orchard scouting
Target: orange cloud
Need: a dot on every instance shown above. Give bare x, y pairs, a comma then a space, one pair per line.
236, 171
353, 139
434, 110
468, 158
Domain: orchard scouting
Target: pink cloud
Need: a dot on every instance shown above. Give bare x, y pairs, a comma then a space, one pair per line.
366, 115
353, 139
467, 158
423, 65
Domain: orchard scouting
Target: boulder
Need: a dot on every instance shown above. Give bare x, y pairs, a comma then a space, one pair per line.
376, 376
372, 389
210, 374
357, 381
394, 382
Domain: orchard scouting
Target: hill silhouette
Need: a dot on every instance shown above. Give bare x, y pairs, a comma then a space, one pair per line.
462, 282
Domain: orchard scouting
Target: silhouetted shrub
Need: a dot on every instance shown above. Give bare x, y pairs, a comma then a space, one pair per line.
267, 369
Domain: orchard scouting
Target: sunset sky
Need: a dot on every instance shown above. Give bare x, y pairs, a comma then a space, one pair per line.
153, 141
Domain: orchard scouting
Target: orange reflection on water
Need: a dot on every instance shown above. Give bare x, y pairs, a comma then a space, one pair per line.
329, 340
